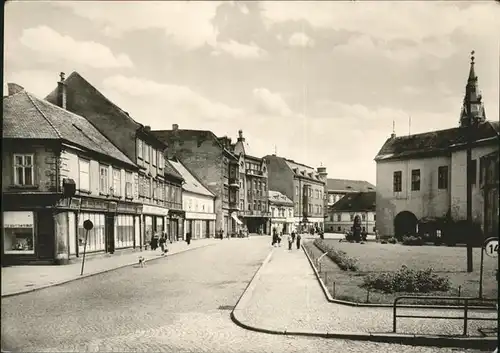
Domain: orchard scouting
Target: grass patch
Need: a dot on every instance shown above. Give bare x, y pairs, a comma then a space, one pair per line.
376, 259
340, 257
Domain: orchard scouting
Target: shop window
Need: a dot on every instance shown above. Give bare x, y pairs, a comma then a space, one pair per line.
83, 175
23, 169
124, 231
116, 182
19, 236
104, 179
95, 237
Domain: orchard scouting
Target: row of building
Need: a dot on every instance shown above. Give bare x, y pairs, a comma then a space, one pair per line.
75, 156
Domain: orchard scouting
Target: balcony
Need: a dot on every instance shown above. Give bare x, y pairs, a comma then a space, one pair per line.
234, 183
254, 172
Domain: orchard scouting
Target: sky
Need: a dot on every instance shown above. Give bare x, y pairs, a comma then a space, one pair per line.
322, 83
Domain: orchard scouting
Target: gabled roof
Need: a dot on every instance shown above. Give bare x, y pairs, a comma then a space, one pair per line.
349, 185
192, 183
28, 117
357, 202
170, 170
179, 135
116, 124
277, 198
440, 141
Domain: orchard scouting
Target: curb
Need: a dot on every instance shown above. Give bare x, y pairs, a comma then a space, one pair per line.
368, 305
482, 343
25, 291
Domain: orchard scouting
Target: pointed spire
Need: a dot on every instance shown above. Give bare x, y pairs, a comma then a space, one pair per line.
472, 111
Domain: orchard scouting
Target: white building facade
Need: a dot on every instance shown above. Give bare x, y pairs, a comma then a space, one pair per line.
281, 209
198, 202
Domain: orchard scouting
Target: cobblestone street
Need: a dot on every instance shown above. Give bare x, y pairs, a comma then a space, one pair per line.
172, 305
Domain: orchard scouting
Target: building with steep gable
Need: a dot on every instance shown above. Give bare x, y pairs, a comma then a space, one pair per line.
424, 176
302, 184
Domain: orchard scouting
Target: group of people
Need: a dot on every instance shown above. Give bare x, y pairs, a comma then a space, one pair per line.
291, 238
160, 240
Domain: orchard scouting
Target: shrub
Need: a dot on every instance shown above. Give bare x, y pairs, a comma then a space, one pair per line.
340, 257
412, 240
407, 280
392, 240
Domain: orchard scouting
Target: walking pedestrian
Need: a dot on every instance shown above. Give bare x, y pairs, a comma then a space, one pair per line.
293, 236
188, 238
162, 242
290, 242
279, 238
298, 241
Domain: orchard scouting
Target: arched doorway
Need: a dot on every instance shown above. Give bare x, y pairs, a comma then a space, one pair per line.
405, 222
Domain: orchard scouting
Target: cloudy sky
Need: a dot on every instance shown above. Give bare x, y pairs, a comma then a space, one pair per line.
320, 82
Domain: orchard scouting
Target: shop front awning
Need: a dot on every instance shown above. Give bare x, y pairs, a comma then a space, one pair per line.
235, 217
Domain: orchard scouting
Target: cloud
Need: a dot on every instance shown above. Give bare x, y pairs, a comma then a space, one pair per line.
239, 50
167, 100
38, 82
53, 46
187, 23
300, 39
388, 20
271, 103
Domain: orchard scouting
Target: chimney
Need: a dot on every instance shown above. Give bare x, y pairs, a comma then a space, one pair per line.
61, 91
393, 135
147, 128
175, 127
240, 136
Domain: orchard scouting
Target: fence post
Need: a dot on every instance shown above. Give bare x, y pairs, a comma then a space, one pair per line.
466, 312
394, 315
333, 289
367, 295
319, 269
459, 292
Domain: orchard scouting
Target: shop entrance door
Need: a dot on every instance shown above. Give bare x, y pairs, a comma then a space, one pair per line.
109, 229
45, 241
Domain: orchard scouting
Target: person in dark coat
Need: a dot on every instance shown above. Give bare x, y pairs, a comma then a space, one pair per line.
162, 242
298, 241
293, 236
188, 238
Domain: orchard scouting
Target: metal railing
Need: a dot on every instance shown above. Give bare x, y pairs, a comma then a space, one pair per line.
466, 317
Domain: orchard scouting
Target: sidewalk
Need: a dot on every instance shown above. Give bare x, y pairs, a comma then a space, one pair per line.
22, 279
285, 297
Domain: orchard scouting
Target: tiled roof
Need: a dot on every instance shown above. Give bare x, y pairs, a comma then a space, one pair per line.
440, 141
303, 170
28, 117
349, 185
277, 197
179, 135
170, 170
356, 202
192, 183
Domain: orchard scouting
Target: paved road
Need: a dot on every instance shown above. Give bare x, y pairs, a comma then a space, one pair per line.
172, 305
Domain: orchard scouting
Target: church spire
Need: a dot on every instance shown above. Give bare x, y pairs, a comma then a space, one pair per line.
472, 108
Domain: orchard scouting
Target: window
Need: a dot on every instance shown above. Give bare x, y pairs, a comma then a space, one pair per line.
363, 217
146, 152
339, 217
259, 205
374, 217
140, 151
23, 169
124, 231
443, 177
19, 237
104, 179
83, 175
167, 193
249, 206
473, 171
116, 182
352, 216
95, 237
296, 191
161, 159
148, 188
397, 181
141, 186
154, 157
415, 179
225, 195
128, 185
155, 192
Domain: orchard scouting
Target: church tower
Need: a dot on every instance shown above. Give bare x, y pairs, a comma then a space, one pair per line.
472, 108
